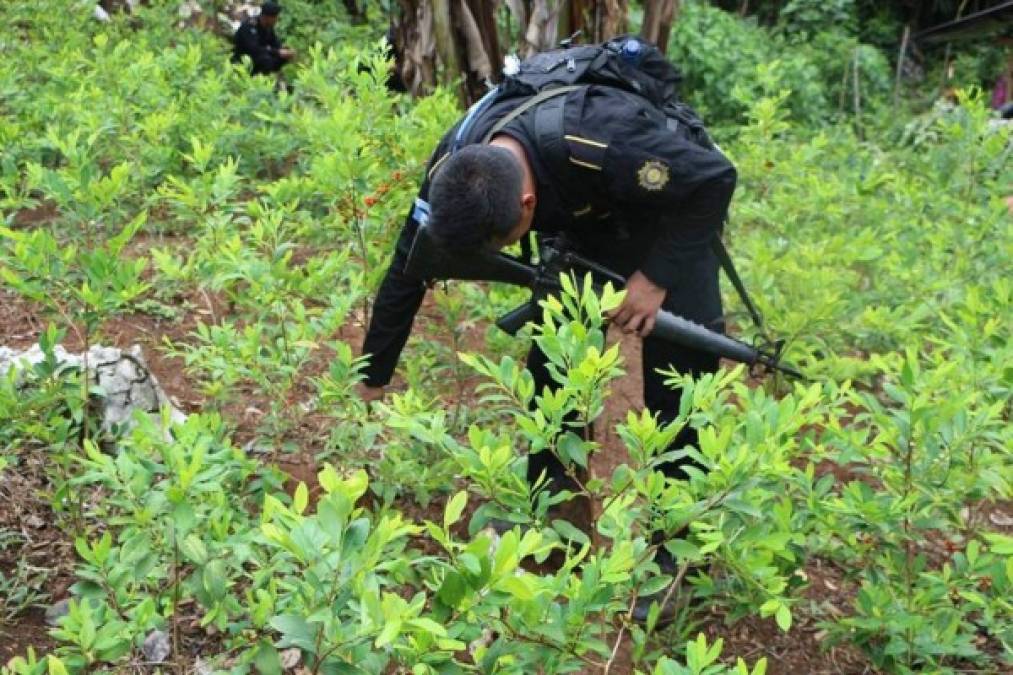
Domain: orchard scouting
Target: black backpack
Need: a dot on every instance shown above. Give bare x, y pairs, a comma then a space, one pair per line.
626, 62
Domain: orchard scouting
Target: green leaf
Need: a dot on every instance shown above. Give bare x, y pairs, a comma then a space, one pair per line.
183, 517
296, 632
783, 618
572, 447
429, 626
1000, 544
56, 666
455, 507
301, 498
452, 590
655, 585
390, 631
267, 660
194, 550
517, 587
683, 550
471, 563
569, 532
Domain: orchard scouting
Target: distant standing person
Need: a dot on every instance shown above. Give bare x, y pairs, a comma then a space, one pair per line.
257, 40
356, 15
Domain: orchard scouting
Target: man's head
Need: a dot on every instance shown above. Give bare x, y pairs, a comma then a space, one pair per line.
269, 12
478, 200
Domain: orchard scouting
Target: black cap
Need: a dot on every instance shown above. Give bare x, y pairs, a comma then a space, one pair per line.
270, 8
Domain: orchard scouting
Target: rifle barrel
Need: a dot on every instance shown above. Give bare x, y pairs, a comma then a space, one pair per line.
674, 328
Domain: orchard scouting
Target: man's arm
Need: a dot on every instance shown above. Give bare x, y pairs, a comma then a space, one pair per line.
283, 52
273, 41
264, 58
688, 187
681, 187
400, 296
394, 310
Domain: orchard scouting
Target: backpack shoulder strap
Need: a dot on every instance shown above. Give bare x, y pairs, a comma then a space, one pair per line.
540, 97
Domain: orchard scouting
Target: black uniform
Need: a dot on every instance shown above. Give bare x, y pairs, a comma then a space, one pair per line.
631, 193
261, 44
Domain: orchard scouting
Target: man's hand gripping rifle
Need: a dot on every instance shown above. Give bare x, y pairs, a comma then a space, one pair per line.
427, 261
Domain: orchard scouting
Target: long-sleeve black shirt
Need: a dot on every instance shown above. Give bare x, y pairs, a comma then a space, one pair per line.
627, 169
261, 44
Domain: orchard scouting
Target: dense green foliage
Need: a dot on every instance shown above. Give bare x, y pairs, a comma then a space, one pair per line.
173, 177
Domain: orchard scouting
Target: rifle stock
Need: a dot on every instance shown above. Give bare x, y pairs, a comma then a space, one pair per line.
427, 261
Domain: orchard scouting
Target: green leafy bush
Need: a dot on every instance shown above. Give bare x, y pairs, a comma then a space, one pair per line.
729, 63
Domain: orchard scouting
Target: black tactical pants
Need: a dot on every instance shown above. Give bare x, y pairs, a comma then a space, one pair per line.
697, 298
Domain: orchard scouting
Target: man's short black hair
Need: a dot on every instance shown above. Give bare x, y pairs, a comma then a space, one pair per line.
270, 8
475, 197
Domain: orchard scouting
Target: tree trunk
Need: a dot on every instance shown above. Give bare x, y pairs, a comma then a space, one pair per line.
597, 20
449, 40
455, 39
415, 42
538, 24
446, 47
477, 44
658, 18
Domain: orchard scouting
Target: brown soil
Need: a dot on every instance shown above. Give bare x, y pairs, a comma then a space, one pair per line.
20, 324
36, 540
41, 214
29, 631
801, 649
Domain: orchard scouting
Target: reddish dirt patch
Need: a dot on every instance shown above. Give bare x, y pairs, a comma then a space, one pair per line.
20, 324
627, 394
28, 525
40, 214
29, 631
800, 650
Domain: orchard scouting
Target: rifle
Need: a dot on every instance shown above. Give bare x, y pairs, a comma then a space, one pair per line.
428, 261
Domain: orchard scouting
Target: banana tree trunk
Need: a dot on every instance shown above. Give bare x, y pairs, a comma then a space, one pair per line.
658, 18
597, 20
448, 41
538, 22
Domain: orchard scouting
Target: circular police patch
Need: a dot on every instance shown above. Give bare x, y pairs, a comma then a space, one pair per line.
653, 175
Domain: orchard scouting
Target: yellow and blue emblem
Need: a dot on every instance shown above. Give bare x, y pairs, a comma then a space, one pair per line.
653, 175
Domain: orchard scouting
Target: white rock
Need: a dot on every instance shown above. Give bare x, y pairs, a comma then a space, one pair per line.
156, 647
57, 611
122, 374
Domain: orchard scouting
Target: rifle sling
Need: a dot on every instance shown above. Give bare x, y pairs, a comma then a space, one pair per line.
729, 267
